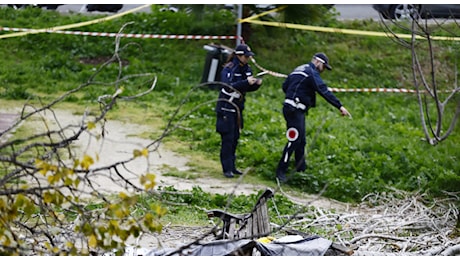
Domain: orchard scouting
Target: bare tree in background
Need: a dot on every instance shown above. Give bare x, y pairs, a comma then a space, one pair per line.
435, 73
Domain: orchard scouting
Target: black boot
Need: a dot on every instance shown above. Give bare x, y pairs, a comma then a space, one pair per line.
237, 172
228, 174
281, 176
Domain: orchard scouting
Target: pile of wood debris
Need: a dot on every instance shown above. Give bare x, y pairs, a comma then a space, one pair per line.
391, 224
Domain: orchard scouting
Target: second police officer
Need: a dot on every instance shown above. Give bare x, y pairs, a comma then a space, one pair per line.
238, 78
300, 88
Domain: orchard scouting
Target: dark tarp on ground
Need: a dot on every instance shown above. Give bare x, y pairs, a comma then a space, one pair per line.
295, 246
285, 246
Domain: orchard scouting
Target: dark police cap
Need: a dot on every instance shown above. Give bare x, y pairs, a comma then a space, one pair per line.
323, 59
243, 49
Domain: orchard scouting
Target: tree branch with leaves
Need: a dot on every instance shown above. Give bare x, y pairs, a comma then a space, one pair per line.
51, 201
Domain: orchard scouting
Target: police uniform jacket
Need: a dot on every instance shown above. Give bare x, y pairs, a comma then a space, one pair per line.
235, 74
302, 84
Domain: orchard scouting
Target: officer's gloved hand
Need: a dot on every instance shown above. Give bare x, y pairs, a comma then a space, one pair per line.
252, 80
345, 112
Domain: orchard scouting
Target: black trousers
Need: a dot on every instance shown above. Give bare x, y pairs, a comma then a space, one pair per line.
295, 121
228, 128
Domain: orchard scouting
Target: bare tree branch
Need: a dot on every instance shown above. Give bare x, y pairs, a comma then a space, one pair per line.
426, 75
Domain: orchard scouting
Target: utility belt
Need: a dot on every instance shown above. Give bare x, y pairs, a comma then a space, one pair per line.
295, 103
232, 95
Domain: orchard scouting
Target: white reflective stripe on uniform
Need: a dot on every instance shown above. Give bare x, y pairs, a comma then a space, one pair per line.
286, 156
301, 73
228, 110
294, 104
232, 94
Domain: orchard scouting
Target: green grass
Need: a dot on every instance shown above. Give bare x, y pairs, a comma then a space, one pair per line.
380, 147
190, 207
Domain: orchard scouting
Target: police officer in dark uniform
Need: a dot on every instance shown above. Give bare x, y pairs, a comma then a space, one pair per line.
300, 88
237, 74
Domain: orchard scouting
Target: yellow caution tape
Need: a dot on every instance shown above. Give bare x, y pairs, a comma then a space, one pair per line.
266, 12
63, 27
337, 30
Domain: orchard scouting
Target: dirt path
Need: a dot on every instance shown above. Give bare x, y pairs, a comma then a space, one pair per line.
118, 145
6, 120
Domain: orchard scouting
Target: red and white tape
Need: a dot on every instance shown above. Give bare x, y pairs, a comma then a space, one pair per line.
202, 37
387, 90
128, 35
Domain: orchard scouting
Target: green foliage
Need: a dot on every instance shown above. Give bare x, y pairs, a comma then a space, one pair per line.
190, 206
15, 93
100, 225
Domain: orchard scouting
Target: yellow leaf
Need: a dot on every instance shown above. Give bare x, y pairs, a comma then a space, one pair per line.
47, 197
91, 125
149, 186
69, 171
38, 162
86, 162
122, 195
20, 199
160, 210
142, 179
148, 181
114, 224
42, 166
52, 179
68, 181
76, 162
92, 242
137, 153
119, 213
145, 152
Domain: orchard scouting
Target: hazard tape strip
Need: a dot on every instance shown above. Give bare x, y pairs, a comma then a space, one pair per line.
383, 90
276, 74
251, 19
63, 27
344, 31
127, 35
268, 12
